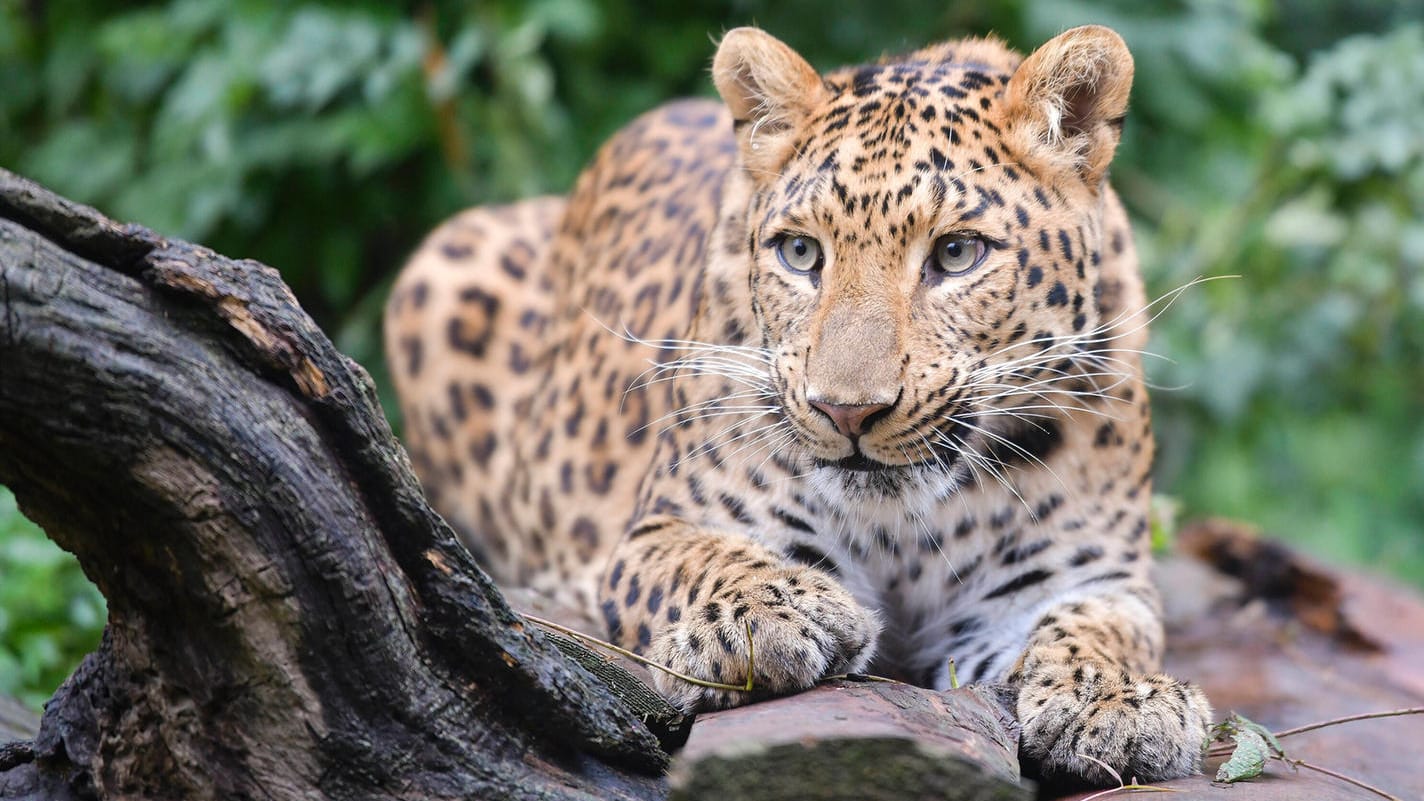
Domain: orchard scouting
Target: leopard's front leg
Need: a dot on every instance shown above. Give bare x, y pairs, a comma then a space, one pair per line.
688, 597
1089, 690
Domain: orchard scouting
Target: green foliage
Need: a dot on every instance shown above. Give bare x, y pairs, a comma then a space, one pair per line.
1275, 141
1304, 378
50, 615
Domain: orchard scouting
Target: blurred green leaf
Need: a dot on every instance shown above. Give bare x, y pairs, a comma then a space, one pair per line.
49, 613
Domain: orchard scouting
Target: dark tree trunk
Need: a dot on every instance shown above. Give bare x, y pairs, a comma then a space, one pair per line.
287, 616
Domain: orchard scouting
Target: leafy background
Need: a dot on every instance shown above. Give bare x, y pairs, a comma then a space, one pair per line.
1276, 141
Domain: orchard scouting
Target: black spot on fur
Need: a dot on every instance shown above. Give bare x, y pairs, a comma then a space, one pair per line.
1019, 582
482, 448
414, 349
600, 477
511, 267
458, 251
792, 521
1114, 575
585, 535
804, 554
645, 529
471, 329
735, 508
611, 620
1022, 552
1030, 444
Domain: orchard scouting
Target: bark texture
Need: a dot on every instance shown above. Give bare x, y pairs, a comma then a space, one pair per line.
287, 616
870, 741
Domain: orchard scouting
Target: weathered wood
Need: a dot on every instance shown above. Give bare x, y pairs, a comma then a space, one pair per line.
287, 616
856, 740
629, 681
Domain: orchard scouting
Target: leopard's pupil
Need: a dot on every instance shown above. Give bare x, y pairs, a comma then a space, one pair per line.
954, 249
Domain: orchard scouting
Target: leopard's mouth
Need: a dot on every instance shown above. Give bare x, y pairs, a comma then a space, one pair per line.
942, 458
857, 462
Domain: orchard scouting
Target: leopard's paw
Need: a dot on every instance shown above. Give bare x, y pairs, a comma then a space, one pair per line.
803, 626
1148, 728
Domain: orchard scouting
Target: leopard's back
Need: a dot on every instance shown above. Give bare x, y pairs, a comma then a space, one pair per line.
515, 336
459, 324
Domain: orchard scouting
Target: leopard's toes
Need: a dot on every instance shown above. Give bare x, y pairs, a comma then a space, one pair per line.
792, 629
1147, 728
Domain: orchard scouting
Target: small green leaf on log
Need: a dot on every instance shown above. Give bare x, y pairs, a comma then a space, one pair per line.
1246, 724
1249, 758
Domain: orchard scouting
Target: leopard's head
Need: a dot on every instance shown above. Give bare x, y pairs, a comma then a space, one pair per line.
925, 237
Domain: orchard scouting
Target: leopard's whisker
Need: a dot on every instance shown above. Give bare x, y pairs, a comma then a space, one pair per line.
713, 404
729, 412
759, 441
684, 344
713, 442
1016, 448
972, 458
1049, 399
781, 442
1103, 331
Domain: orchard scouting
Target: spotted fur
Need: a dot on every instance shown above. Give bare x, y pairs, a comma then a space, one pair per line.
629, 399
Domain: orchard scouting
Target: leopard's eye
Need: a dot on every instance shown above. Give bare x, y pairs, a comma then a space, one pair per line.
955, 254
799, 254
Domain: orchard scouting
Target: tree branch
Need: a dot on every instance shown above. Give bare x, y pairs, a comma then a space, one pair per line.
287, 614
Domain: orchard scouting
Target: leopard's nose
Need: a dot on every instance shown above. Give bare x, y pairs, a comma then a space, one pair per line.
851, 419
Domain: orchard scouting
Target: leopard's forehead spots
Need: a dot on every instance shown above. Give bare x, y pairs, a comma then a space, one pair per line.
898, 149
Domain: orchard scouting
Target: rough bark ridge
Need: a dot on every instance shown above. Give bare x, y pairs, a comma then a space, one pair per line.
287, 616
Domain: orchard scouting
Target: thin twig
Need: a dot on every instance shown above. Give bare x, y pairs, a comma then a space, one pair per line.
1301, 763
1130, 788
645, 661
861, 677
1121, 787
751, 658
1415, 710
1105, 766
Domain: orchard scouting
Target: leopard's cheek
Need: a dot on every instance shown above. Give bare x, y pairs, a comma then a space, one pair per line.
782, 309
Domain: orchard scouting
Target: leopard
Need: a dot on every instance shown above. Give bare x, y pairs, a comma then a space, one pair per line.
837, 373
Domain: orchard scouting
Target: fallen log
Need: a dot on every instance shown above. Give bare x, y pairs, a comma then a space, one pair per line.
871, 741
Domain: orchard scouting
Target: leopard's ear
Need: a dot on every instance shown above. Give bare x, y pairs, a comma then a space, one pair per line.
769, 89
1066, 101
